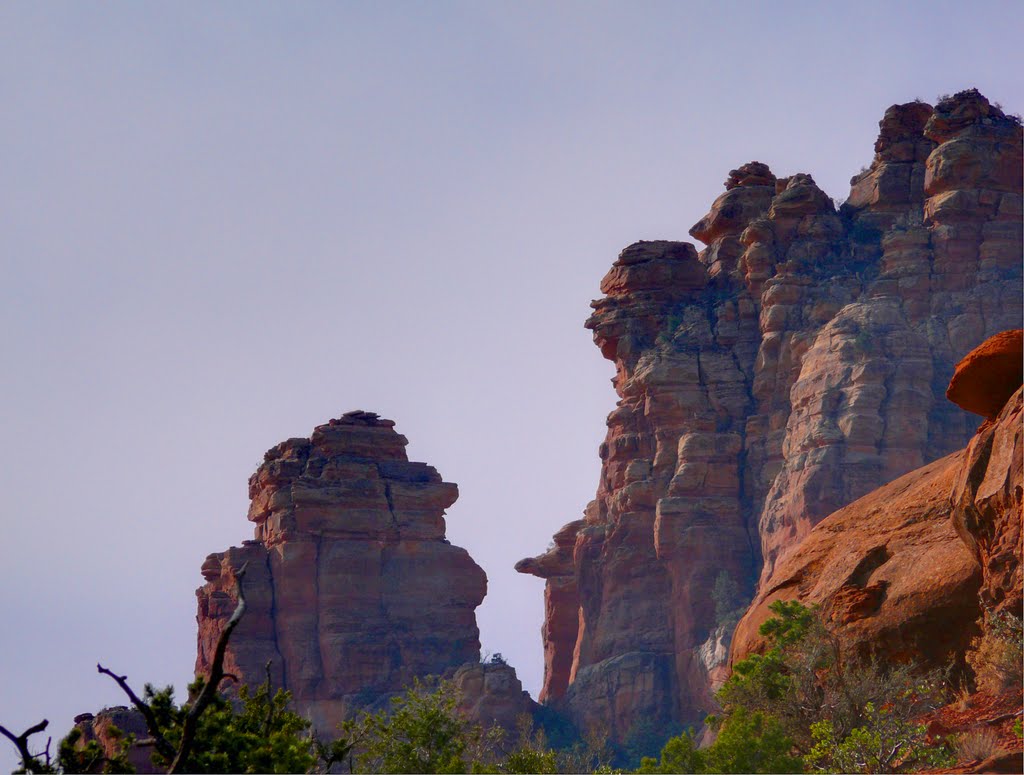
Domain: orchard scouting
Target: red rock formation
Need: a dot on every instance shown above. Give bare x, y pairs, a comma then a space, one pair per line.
561, 609
987, 504
888, 571
491, 694
898, 572
353, 590
990, 373
100, 727
794, 365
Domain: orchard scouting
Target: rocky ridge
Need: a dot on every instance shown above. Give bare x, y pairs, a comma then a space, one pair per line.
794, 365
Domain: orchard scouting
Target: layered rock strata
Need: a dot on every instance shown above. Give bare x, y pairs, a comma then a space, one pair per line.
906, 572
352, 588
795, 364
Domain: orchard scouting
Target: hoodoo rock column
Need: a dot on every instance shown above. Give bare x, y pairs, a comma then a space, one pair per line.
353, 589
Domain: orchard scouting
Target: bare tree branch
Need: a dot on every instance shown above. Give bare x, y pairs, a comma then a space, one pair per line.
209, 691
28, 761
162, 745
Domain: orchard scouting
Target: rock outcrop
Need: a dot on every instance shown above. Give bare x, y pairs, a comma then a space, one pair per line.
352, 589
109, 728
988, 493
794, 365
990, 373
897, 573
491, 694
888, 571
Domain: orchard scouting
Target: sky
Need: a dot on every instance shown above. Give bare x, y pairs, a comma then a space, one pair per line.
224, 224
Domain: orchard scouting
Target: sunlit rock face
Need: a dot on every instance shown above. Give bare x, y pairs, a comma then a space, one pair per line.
352, 588
795, 364
988, 494
905, 573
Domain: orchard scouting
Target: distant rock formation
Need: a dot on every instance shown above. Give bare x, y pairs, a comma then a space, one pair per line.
898, 572
794, 365
353, 590
109, 728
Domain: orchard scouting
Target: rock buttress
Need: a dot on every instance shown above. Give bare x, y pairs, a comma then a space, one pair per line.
794, 365
353, 590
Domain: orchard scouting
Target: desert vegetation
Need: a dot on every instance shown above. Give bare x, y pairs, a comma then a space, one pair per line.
798, 707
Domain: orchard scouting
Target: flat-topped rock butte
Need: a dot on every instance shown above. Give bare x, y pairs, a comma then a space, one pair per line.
352, 589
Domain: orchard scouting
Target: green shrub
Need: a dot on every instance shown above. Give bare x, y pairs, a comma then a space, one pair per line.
423, 732
827, 707
680, 754
885, 743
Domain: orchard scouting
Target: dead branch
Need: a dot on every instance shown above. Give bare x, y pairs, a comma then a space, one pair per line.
1001, 717
209, 691
161, 742
28, 761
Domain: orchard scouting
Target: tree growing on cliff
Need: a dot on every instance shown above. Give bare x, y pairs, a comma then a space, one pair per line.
799, 706
423, 732
829, 706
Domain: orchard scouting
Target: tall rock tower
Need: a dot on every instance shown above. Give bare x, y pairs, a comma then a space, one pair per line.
352, 588
796, 363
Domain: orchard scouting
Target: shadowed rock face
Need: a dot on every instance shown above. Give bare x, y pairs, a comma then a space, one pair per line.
794, 365
353, 590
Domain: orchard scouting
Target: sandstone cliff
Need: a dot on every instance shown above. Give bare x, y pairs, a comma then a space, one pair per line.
795, 364
906, 571
353, 590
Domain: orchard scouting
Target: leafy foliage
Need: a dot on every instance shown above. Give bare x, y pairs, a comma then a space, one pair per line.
800, 706
751, 742
423, 733
748, 741
680, 754
887, 742
261, 735
801, 681
90, 756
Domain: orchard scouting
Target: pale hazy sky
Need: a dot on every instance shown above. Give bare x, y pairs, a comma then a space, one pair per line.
223, 224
